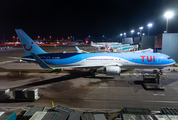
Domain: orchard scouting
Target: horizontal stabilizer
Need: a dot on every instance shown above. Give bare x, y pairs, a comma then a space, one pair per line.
40, 62
25, 59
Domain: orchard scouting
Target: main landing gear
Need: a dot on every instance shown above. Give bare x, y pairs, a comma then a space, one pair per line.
92, 72
160, 71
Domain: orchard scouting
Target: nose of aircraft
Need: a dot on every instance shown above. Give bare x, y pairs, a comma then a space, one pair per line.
172, 61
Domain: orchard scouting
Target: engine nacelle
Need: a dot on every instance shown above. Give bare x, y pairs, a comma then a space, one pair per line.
113, 70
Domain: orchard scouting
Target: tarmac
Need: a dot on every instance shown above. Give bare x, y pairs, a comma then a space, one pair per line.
75, 89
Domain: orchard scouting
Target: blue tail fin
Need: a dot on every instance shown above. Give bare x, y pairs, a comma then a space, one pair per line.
28, 44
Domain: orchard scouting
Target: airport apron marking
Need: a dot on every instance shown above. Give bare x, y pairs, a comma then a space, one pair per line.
24, 45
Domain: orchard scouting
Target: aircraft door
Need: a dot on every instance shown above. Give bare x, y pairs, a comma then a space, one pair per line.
48, 59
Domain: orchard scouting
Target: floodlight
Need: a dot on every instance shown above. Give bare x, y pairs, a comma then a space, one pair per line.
168, 14
132, 31
140, 28
150, 25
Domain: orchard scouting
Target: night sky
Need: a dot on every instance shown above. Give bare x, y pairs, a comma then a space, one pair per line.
63, 18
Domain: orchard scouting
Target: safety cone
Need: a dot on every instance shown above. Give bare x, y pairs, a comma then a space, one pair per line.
20, 73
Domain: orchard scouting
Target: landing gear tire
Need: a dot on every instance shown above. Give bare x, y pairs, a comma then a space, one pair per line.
160, 72
92, 72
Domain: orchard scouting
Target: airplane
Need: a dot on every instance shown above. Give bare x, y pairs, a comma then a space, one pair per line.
110, 63
97, 45
119, 46
126, 48
86, 41
93, 44
101, 44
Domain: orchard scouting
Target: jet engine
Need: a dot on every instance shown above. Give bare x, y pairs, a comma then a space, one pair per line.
113, 70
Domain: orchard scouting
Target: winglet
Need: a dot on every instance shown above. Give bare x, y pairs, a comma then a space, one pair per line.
78, 50
40, 62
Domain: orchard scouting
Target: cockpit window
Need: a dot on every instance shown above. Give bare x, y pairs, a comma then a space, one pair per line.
169, 58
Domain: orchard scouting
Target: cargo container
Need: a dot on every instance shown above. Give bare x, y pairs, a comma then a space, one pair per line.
19, 93
4, 94
31, 94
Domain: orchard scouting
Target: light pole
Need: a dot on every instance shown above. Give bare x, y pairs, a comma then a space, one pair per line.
143, 34
121, 36
132, 31
103, 37
89, 37
140, 31
149, 25
168, 15
50, 38
124, 34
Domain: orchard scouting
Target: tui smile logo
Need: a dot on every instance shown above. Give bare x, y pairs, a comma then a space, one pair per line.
24, 45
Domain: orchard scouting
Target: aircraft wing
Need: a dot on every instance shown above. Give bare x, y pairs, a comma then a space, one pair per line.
92, 66
40, 62
19, 58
